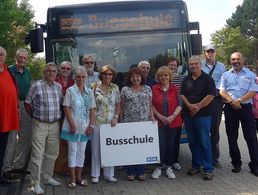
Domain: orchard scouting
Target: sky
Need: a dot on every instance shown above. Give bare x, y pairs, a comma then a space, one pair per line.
211, 15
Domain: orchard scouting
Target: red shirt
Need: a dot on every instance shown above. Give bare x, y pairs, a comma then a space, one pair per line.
173, 102
9, 117
64, 85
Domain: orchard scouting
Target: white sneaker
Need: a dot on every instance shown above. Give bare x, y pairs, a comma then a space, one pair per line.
37, 189
170, 173
176, 166
52, 181
95, 180
111, 179
156, 173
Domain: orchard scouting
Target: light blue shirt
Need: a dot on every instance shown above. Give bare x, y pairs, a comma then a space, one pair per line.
217, 73
92, 79
238, 84
80, 104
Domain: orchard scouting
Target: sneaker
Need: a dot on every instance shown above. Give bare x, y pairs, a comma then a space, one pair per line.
11, 176
156, 173
217, 165
207, 176
52, 181
37, 189
170, 173
176, 166
95, 180
111, 179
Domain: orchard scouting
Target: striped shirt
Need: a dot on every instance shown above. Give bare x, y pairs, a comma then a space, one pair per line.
45, 101
177, 80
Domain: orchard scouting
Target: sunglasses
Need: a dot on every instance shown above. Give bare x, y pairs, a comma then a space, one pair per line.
91, 62
65, 68
107, 74
210, 51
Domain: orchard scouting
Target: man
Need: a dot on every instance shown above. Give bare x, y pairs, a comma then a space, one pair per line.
145, 67
197, 92
18, 150
43, 105
215, 70
237, 87
89, 63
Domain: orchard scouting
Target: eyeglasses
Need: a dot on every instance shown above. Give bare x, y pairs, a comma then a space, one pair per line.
50, 71
65, 68
83, 77
210, 51
91, 62
107, 74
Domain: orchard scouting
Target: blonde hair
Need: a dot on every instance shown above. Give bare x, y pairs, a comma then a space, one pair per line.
106, 68
162, 70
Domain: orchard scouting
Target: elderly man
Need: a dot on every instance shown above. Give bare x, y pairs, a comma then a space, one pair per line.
145, 67
198, 90
215, 70
43, 104
89, 63
18, 150
237, 87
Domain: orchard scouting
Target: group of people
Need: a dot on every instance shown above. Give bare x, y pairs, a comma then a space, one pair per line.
90, 99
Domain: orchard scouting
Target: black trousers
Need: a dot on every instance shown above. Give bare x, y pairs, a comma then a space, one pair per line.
232, 119
3, 144
217, 107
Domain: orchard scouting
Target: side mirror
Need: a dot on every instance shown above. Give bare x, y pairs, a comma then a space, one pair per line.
196, 42
35, 39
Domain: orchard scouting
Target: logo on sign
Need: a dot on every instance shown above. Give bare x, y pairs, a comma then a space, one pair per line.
152, 159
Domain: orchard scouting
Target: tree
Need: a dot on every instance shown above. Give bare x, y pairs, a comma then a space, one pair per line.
246, 18
15, 23
228, 40
36, 67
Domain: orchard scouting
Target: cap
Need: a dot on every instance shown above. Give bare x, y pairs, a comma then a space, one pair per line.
209, 47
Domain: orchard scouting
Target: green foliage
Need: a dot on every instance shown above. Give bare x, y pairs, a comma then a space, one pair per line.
36, 67
229, 40
15, 23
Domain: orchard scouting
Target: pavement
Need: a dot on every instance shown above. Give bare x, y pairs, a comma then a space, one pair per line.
224, 181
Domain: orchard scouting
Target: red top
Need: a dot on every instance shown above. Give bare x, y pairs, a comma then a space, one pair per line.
9, 117
64, 85
172, 97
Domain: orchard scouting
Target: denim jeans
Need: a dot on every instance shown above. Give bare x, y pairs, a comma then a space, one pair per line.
135, 170
198, 129
167, 145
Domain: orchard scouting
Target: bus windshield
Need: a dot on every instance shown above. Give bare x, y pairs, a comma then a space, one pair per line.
121, 50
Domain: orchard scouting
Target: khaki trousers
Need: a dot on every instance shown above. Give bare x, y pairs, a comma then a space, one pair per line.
45, 148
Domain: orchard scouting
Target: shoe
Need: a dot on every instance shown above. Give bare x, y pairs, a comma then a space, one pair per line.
236, 169
11, 176
4, 182
217, 165
156, 173
95, 180
37, 189
119, 169
21, 171
255, 172
193, 171
170, 173
207, 177
130, 177
72, 185
141, 177
82, 183
52, 181
111, 179
176, 166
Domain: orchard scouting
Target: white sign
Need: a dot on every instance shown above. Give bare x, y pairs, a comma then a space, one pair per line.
129, 144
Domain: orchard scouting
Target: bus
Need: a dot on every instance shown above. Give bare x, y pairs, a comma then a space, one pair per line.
118, 33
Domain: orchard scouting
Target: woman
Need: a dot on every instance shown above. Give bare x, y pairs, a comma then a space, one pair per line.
65, 79
173, 64
107, 98
9, 119
79, 105
167, 107
136, 106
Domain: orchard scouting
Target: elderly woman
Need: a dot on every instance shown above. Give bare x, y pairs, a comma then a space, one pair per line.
136, 104
167, 106
65, 79
79, 107
9, 119
173, 64
107, 98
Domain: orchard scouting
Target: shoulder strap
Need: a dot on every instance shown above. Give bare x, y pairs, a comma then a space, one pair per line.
212, 70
